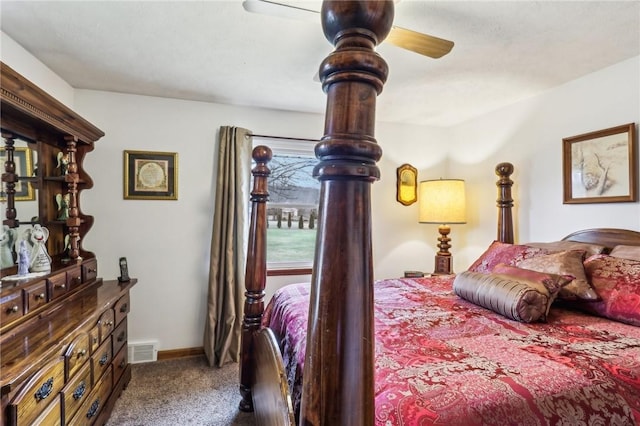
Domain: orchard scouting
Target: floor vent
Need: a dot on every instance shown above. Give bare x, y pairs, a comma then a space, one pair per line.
143, 352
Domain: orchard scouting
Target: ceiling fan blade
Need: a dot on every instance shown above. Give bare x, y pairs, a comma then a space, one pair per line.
414, 41
423, 44
282, 10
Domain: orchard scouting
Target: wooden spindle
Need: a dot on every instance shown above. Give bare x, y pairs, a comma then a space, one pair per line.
338, 379
505, 203
255, 273
10, 178
71, 178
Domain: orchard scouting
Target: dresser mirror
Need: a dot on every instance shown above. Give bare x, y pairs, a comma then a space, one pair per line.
26, 197
26, 163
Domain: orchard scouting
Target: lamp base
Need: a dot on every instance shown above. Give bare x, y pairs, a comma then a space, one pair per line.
444, 261
443, 265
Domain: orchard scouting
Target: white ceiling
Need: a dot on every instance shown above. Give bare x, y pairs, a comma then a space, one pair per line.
215, 51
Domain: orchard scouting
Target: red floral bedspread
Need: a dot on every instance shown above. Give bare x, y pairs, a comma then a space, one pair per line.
442, 360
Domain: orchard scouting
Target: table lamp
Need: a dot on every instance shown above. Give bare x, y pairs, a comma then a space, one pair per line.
442, 201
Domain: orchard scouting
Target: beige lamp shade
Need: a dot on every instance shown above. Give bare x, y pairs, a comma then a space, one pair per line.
442, 201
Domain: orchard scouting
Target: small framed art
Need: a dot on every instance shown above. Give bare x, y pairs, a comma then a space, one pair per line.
23, 161
150, 175
601, 166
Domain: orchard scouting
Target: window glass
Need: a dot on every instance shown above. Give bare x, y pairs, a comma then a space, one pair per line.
292, 209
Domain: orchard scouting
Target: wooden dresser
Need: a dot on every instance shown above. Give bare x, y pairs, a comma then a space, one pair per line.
68, 364
63, 332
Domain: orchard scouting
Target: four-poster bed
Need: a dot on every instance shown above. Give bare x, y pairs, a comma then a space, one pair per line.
457, 371
344, 371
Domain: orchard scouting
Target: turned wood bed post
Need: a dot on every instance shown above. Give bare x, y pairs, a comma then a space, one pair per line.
505, 203
255, 273
338, 379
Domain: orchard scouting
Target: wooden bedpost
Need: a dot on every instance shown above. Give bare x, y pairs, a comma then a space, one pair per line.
338, 379
255, 273
505, 203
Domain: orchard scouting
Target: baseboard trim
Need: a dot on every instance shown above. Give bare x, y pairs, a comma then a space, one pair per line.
180, 353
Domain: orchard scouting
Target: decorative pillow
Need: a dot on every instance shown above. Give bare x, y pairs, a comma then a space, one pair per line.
520, 300
506, 253
617, 281
564, 263
552, 282
626, 252
555, 246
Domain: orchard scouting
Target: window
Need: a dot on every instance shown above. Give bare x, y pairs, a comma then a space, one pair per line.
292, 209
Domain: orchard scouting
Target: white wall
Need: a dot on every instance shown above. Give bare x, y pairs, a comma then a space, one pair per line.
167, 242
14, 55
399, 242
529, 135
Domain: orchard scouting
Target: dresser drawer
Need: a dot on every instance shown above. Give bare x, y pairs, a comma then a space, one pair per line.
74, 277
35, 395
89, 270
119, 364
119, 336
90, 409
121, 308
57, 285
106, 324
101, 360
35, 295
76, 354
12, 307
52, 415
77, 391
94, 338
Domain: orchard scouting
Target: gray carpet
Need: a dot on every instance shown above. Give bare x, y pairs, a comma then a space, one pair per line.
183, 391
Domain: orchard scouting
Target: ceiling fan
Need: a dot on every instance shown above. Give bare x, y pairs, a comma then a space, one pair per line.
424, 44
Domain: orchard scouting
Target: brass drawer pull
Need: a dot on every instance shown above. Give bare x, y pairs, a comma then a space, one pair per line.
122, 336
62, 286
92, 270
39, 296
82, 352
13, 309
122, 364
108, 323
124, 307
45, 390
77, 394
94, 408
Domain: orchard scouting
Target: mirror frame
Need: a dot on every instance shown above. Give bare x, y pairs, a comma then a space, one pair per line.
406, 184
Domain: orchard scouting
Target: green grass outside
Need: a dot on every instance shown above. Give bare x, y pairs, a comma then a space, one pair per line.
290, 244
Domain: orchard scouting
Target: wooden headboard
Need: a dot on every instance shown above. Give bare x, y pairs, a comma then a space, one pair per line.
608, 237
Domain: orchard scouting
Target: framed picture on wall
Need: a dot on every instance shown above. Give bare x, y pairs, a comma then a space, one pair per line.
601, 166
150, 175
24, 169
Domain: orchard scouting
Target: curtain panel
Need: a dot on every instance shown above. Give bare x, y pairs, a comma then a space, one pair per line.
225, 299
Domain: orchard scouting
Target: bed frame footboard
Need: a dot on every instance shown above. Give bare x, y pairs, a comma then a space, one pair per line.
271, 397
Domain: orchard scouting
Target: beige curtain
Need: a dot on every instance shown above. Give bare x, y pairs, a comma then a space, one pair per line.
225, 300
